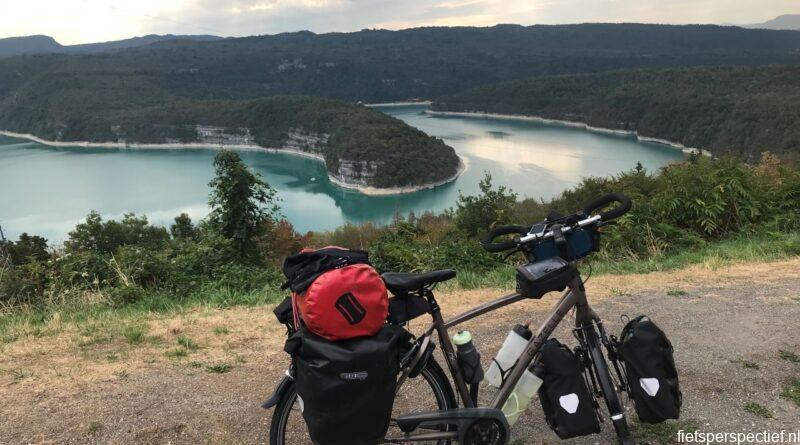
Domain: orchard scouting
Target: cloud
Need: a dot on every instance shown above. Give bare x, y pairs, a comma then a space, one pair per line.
77, 21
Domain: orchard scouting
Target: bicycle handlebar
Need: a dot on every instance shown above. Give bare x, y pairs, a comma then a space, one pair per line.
499, 231
599, 203
528, 236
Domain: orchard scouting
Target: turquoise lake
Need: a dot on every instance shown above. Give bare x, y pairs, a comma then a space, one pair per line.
47, 191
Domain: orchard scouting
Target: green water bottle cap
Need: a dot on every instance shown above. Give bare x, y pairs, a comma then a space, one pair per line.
462, 338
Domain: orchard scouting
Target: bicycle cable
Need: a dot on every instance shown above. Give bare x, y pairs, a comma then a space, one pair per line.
586, 280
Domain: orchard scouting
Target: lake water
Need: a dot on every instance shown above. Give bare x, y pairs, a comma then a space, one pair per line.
47, 191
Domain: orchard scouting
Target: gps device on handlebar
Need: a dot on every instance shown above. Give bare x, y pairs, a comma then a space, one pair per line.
571, 238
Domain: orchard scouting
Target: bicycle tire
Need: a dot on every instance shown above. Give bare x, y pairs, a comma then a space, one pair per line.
610, 395
432, 373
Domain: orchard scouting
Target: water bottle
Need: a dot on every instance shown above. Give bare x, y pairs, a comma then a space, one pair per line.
469, 359
508, 354
520, 398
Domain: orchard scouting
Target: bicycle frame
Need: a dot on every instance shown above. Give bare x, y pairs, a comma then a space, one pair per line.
574, 297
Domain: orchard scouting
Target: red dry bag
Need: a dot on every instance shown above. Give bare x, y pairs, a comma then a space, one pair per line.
337, 293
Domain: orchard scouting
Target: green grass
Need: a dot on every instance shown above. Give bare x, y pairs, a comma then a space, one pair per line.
791, 391
676, 293
188, 343
220, 368
221, 330
789, 356
739, 249
94, 427
747, 364
665, 433
134, 334
759, 410
176, 353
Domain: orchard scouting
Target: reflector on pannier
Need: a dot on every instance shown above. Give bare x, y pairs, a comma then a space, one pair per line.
336, 292
347, 387
646, 355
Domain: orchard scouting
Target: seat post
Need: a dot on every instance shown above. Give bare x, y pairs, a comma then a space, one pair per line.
428, 295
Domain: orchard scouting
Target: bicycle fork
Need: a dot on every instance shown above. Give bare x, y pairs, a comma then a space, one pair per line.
592, 339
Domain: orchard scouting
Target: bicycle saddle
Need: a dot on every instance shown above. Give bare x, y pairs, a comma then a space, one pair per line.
401, 283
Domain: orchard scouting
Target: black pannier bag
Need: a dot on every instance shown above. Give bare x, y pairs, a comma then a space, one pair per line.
347, 387
567, 403
551, 274
646, 355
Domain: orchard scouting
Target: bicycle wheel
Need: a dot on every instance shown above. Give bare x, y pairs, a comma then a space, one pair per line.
610, 395
431, 391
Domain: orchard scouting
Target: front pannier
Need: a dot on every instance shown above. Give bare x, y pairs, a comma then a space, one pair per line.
652, 379
568, 406
551, 274
346, 388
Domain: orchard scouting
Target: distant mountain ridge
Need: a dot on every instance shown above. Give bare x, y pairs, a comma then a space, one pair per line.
41, 44
783, 22
374, 66
13, 46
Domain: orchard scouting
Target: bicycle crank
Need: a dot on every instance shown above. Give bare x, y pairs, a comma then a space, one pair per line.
475, 426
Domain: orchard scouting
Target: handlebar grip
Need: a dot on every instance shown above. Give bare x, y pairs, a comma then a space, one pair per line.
499, 231
621, 209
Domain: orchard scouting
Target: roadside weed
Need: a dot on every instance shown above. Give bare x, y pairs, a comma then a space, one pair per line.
134, 334
757, 409
188, 343
792, 392
220, 368
790, 356
176, 353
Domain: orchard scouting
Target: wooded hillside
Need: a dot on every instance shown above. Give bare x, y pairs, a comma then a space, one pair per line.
743, 111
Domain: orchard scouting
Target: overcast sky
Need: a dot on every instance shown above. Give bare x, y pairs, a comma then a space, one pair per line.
81, 21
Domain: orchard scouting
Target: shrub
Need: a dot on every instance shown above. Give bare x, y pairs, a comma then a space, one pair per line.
475, 215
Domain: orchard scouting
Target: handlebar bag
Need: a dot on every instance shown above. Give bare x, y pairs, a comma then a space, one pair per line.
538, 278
337, 293
566, 401
577, 243
647, 358
346, 388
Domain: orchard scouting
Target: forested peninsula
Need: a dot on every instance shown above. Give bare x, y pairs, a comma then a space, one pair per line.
742, 111
362, 148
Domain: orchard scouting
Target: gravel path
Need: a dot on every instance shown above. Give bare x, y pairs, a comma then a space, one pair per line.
727, 325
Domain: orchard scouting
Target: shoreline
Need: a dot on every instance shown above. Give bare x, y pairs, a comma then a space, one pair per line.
571, 124
366, 190
399, 104
463, 165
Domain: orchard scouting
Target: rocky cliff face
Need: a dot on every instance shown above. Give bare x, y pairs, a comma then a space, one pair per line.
309, 142
359, 173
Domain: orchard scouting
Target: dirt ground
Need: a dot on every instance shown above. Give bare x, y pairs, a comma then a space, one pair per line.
200, 377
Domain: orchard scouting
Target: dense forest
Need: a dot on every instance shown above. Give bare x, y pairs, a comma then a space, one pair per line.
398, 155
379, 65
737, 110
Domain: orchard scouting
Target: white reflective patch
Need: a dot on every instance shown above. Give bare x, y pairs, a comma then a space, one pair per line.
302, 405
569, 402
650, 386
